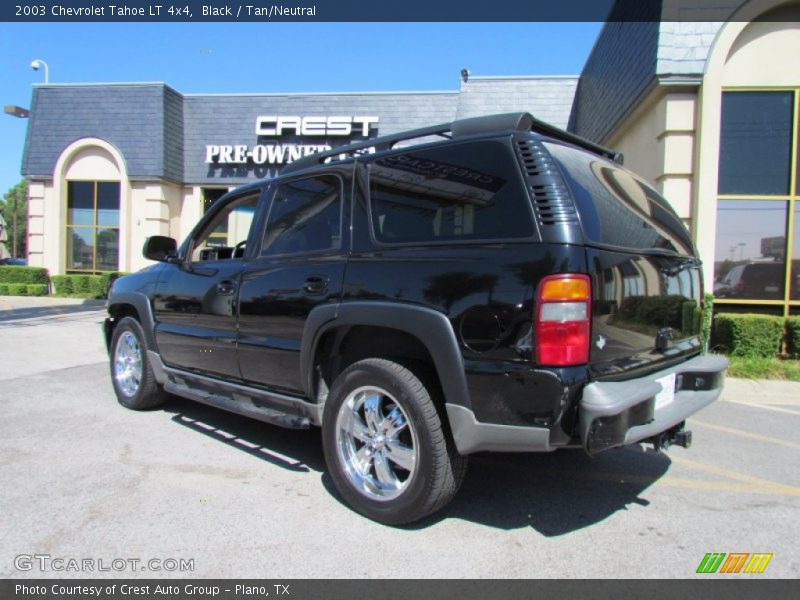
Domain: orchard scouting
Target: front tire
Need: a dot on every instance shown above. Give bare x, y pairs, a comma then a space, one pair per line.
388, 452
131, 374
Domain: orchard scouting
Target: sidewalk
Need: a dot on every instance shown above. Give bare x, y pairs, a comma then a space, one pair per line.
13, 308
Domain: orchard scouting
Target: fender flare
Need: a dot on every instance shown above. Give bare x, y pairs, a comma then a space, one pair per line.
141, 303
432, 328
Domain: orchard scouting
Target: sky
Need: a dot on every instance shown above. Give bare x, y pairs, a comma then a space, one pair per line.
275, 57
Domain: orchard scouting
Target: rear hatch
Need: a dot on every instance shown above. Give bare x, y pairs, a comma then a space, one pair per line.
646, 281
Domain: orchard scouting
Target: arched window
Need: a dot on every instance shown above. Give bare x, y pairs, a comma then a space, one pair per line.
92, 185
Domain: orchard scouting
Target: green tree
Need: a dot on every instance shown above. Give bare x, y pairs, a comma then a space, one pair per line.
14, 209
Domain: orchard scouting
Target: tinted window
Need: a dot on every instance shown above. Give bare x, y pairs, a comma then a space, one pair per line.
755, 143
617, 207
92, 225
305, 216
750, 253
108, 204
795, 276
456, 192
80, 203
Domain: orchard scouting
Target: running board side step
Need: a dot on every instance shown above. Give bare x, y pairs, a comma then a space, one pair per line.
269, 407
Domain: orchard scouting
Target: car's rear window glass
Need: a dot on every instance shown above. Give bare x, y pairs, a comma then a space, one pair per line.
470, 191
617, 207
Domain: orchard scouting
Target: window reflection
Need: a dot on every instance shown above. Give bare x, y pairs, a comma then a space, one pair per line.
107, 249
93, 225
305, 216
107, 204
80, 203
750, 253
795, 277
643, 295
466, 192
80, 248
619, 208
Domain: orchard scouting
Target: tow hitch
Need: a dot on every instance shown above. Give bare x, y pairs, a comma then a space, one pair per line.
677, 436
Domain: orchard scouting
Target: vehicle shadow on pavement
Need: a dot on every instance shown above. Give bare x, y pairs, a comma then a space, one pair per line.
554, 493
292, 449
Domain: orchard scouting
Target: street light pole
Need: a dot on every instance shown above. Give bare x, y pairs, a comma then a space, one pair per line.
37, 63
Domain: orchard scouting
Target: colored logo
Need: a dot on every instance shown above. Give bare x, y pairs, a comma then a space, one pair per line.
735, 562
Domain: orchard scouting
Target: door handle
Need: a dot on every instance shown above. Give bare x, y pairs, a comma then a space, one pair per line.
315, 284
226, 287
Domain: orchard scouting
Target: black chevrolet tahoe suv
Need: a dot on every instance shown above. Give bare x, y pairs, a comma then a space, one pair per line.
492, 284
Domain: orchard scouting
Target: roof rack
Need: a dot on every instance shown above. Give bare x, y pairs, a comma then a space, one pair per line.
460, 128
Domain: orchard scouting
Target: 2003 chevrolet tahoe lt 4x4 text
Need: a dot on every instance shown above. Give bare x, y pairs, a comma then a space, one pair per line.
502, 285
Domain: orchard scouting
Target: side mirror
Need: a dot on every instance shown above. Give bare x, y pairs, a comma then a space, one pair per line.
160, 248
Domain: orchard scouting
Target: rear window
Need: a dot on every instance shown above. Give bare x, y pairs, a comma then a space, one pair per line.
470, 191
617, 207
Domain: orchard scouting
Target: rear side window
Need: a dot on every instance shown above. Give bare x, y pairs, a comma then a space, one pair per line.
470, 191
617, 207
305, 216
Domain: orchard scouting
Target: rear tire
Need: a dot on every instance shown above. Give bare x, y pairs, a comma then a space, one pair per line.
387, 448
131, 374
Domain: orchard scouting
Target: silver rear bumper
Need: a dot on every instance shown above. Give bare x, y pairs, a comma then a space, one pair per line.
619, 413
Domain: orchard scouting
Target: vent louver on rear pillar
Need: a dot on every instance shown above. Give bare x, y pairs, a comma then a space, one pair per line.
551, 200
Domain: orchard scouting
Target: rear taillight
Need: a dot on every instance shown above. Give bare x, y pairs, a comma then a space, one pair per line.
563, 320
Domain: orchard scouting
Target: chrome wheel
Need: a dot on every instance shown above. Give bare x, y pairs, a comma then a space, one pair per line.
128, 364
376, 443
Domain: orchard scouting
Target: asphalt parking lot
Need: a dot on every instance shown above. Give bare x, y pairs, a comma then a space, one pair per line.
81, 477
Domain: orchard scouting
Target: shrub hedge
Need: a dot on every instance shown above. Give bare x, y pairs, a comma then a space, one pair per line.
747, 334
84, 286
706, 321
793, 336
38, 289
69, 286
24, 289
62, 285
21, 274
17, 289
